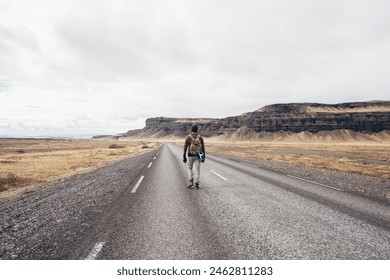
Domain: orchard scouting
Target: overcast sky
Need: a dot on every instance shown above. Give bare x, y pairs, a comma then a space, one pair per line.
102, 67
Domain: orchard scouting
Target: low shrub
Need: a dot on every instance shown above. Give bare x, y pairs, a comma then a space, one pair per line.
116, 146
10, 180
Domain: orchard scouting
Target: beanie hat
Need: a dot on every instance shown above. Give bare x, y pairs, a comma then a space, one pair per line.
194, 128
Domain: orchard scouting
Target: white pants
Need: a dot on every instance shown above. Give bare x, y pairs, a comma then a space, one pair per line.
191, 161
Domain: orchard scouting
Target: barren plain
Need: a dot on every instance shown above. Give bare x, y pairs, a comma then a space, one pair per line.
28, 162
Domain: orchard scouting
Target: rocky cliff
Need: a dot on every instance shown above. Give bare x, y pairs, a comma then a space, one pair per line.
373, 116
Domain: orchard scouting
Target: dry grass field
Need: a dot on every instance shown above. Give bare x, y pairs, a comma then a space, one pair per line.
366, 158
29, 162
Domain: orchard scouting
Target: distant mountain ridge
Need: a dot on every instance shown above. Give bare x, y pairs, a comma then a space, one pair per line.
285, 119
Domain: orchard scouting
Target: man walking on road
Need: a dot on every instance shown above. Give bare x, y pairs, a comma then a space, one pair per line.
196, 154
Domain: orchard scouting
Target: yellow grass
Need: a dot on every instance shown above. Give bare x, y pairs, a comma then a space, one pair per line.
28, 162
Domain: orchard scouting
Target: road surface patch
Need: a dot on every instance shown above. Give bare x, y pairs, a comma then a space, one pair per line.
249, 164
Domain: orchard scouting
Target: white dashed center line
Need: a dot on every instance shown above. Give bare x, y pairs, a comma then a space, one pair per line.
219, 175
95, 251
326, 186
150, 164
154, 158
137, 185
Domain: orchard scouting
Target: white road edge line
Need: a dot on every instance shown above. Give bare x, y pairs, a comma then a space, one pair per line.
218, 175
137, 185
95, 251
150, 164
326, 186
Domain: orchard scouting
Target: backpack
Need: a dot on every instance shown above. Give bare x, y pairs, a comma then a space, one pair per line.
195, 145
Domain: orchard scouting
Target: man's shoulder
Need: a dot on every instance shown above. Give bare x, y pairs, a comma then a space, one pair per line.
190, 137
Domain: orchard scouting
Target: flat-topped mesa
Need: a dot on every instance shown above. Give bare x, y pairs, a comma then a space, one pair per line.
314, 117
372, 116
179, 127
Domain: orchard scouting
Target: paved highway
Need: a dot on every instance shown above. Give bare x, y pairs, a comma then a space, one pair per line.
240, 212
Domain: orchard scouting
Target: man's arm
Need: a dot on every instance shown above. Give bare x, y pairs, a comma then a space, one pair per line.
203, 147
185, 146
185, 150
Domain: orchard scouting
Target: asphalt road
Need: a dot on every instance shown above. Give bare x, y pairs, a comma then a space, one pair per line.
140, 208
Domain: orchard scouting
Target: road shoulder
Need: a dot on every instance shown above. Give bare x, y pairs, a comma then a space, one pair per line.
367, 186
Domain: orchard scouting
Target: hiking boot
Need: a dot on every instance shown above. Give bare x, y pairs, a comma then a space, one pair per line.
191, 183
196, 185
